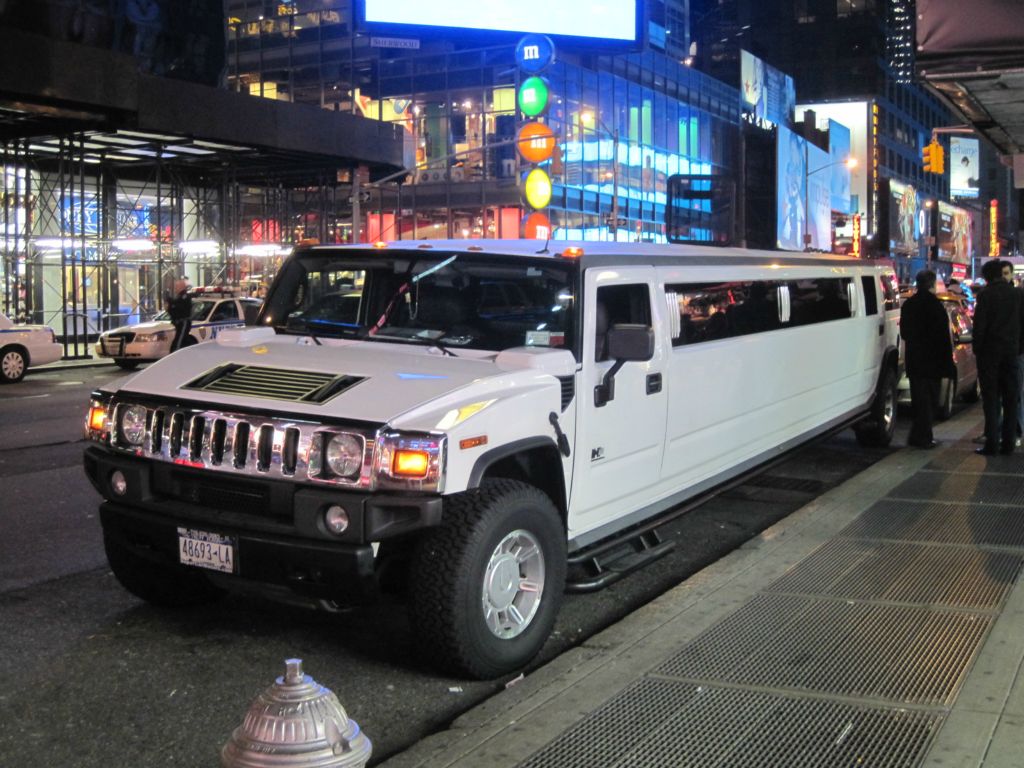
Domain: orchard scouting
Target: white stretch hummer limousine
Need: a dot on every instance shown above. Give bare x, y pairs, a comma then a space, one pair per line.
484, 423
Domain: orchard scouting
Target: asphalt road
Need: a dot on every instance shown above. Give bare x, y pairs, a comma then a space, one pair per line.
95, 678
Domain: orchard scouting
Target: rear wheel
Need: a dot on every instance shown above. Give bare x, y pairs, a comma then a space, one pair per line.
880, 426
169, 586
486, 586
126, 365
971, 395
947, 394
13, 364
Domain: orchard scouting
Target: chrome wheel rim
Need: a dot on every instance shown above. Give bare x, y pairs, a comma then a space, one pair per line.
889, 408
513, 584
13, 365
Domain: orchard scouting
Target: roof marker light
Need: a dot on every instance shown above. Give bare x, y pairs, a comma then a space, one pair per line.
380, 244
573, 252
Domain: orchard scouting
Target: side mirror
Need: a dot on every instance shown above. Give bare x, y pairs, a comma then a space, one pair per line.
627, 343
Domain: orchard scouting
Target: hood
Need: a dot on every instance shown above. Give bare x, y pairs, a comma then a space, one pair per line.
404, 385
150, 327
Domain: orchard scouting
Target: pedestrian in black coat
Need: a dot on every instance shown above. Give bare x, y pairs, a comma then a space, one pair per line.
997, 329
924, 327
179, 309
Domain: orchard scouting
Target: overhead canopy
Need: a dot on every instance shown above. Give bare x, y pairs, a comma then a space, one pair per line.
972, 55
52, 91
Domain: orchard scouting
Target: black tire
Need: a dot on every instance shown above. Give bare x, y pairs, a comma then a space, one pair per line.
189, 341
126, 365
947, 395
879, 427
13, 364
506, 524
168, 586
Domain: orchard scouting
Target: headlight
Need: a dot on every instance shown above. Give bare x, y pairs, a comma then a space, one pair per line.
344, 455
145, 338
133, 424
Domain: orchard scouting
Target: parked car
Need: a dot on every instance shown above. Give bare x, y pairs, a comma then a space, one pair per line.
961, 330
24, 346
146, 342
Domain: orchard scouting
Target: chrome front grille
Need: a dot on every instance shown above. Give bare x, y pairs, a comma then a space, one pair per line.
243, 444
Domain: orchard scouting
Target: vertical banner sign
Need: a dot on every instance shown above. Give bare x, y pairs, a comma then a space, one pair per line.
856, 234
993, 228
535, 141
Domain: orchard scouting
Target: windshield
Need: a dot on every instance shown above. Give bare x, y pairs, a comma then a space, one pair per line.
445, 299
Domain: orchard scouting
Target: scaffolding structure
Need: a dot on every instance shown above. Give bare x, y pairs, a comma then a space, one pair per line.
92, 238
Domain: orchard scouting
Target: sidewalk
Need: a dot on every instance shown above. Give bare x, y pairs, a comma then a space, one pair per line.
880, 625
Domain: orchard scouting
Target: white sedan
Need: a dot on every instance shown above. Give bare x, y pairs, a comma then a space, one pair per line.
150, 341
22, 346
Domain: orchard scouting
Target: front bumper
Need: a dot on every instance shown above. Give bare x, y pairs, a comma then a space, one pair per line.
115, 347
277, 525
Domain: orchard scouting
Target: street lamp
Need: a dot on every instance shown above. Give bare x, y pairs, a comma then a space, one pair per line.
850, 163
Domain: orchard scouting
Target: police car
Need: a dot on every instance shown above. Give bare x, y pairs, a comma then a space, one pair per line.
22, 346
213, 310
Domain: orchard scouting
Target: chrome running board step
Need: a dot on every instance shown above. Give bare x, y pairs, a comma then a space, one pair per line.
589, 573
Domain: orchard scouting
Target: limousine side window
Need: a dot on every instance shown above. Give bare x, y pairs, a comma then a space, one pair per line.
819, 300
870, 297
891, 292
618, 304
712, 311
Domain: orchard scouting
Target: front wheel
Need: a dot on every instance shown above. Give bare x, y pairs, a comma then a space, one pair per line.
486, 585
13, 364
879, 427
125, 364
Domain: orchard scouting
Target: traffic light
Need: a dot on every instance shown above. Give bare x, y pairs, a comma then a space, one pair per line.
934, 158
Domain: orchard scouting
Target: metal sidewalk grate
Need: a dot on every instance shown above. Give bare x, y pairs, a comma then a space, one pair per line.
657, 723
905, 573
977, 525
965, 488
902, 654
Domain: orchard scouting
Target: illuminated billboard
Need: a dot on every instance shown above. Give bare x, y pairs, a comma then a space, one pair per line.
605, 20
840, 153
855, 115
954, 236
768, 95
804, 191
904, 221
963, 167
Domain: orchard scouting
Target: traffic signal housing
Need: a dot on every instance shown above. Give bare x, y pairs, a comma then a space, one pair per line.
934, 158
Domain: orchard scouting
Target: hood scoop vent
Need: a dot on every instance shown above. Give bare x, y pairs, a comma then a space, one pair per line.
273, 383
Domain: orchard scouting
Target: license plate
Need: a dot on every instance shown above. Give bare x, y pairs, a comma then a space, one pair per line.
206, 550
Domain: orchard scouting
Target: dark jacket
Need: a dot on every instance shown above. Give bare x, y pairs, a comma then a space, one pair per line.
997, 322
180, 307
924, 326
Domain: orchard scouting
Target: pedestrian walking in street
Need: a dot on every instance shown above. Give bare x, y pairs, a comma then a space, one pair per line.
997, 332
924, 326
179, 309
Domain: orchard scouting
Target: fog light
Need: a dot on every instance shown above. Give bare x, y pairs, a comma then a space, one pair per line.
336, 519
118, 483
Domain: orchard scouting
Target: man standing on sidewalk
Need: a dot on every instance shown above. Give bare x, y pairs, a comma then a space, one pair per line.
924, 326
997, 328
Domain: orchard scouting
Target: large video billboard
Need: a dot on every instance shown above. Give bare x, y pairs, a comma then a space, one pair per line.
804, 194
599, 20
963, 167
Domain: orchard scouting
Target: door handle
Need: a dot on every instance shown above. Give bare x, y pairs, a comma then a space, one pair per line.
653, 383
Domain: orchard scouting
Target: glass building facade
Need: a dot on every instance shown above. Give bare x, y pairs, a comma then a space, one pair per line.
623, 124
